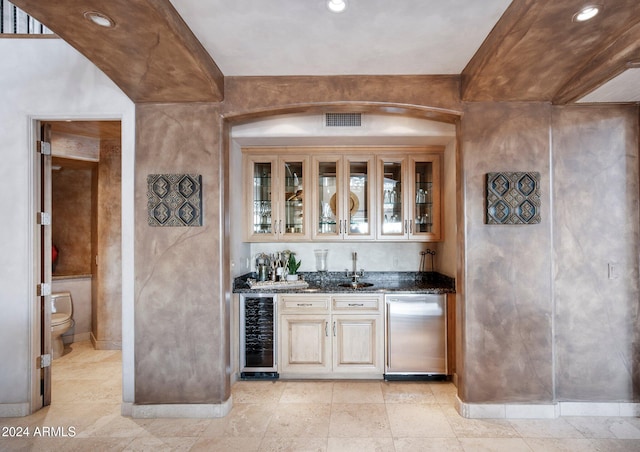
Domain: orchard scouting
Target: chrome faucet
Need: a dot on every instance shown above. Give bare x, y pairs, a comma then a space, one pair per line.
355, 274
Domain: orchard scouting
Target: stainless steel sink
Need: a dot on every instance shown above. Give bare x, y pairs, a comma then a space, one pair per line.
359, 285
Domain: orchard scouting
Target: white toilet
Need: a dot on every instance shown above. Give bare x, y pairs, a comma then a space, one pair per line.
61, 321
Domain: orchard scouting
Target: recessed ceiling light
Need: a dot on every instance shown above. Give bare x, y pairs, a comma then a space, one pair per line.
336, 6
586, 13
99, 19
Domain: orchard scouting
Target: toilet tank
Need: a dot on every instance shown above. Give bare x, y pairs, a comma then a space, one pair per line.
61, 303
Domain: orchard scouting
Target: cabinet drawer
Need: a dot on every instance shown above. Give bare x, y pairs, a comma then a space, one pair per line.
357, 303
304, 304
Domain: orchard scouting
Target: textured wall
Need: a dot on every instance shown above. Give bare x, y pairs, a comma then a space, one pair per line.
542, 321
244, 95
595, 172
181, 324
507, 305
72, 211
107, 303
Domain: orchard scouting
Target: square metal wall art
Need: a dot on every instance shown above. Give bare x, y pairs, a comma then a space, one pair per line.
174, 199
513, 198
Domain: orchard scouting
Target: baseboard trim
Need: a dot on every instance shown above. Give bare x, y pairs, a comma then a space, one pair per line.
105, 345
546, 411
14, 409
176, 411
68, 339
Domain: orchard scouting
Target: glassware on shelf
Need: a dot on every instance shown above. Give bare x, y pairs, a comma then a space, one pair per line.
321, 260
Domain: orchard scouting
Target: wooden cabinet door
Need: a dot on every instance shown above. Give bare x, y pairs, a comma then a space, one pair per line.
344, 197
304, 344
408, 191
294, 223
357, 343
260, 181
423, 197
392, 184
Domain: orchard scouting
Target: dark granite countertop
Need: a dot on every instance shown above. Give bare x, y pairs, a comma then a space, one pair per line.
329, 282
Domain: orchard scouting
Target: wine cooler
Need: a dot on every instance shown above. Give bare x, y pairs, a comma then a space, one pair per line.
258, 336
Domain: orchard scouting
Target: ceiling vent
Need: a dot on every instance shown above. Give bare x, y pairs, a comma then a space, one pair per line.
343, 119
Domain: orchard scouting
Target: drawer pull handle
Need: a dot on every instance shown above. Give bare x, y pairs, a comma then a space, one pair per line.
356, 304
304, 304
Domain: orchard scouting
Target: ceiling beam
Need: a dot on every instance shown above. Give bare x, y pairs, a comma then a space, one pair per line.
612, 61
536, 51
150, 53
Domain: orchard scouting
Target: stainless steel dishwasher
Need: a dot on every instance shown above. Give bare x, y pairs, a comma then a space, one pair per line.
416, 335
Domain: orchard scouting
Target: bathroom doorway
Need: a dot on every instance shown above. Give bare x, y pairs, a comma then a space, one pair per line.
85, 238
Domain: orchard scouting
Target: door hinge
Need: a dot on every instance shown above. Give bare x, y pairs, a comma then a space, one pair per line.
44, 218
44, 289
44, 147
43, 361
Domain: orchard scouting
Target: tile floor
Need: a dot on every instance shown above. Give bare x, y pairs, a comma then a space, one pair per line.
294, 416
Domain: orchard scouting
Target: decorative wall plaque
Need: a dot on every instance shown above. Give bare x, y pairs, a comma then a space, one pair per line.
174, 199
513, 198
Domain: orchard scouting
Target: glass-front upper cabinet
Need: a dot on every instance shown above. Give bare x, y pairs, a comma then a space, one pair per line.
409, 197
425, 197
343, 197
275, 190
391, 194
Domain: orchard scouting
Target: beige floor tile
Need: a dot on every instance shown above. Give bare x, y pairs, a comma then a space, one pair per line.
444, 392
81, 371
307, 392
177, 427
116, 426
86, 390
257, 391
478, 428
227, 444
245, 419
545, 428
583, 445
300, 419
562, 445
33, 444
357, 392
407, 392
418, 420
427, 445
273, 444
494, 445
80, 416
164, 444
359, 420
298, 416
360, 445
94, 444
617, 445
603, 427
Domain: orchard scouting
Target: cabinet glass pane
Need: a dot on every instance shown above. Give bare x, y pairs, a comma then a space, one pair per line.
358, 198
329, 203
392, 215
423, 210
294, 198
262, 177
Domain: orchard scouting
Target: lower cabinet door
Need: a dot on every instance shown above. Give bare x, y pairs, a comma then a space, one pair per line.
305, 344
357, 343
